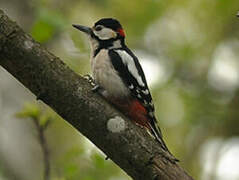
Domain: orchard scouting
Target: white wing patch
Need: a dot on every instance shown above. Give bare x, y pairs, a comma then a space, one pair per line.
139, 96
145, 103
128, 60
151, 114
145, 91
131, 86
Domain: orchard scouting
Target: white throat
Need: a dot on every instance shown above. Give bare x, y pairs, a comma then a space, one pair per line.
94, 44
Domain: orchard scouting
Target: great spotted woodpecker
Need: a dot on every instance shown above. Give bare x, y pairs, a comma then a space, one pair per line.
119, 76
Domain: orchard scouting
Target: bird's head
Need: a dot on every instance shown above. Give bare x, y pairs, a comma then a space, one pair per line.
105, 32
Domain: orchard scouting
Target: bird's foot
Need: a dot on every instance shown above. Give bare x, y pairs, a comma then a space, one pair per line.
90, 79
96, 88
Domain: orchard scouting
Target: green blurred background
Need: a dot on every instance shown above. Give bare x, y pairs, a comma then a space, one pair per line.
189, 50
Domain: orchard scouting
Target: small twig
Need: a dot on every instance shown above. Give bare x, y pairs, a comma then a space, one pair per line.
43, 143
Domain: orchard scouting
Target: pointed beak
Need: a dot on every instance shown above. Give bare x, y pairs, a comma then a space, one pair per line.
84, 29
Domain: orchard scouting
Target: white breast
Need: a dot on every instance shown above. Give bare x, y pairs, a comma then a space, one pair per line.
107, 77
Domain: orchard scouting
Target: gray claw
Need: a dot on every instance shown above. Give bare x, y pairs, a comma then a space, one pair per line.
95, 88
90, 79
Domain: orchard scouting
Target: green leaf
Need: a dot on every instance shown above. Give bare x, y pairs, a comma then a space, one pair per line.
30, 110
98, 160
45, 119
42, 31
47, 24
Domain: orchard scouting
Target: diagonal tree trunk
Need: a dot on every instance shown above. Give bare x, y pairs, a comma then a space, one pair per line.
46, 76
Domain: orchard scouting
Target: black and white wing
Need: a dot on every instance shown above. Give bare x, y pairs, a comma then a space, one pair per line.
130, 71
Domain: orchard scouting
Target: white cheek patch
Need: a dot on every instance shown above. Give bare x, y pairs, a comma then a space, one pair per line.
105, 33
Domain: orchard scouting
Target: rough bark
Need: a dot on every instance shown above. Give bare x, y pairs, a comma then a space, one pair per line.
70, 95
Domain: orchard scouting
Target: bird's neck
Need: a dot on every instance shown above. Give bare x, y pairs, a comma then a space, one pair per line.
96, 46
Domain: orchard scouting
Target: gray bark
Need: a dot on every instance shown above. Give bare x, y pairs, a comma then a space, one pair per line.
70, 95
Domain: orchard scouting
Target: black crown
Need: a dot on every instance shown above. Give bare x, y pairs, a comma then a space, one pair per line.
109, 23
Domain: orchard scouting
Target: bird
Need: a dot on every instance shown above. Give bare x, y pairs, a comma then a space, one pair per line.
118, 75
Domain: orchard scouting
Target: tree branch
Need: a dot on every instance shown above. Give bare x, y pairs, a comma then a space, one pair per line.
70, 96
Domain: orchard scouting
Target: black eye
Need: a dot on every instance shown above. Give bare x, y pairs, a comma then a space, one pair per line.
98, 28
